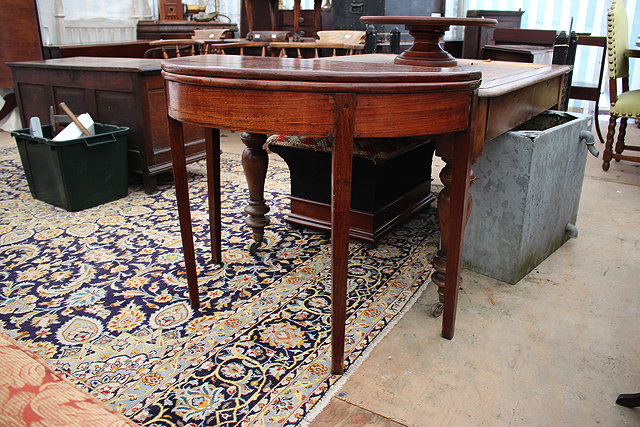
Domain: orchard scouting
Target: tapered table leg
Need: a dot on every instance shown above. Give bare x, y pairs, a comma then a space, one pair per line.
184, 208
212, 148
459, 210
458, 151
445, 151
341, 172
255, 161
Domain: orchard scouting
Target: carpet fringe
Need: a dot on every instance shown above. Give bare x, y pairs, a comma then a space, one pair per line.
337, 386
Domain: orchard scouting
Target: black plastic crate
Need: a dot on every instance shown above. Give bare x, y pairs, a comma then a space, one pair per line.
79, 173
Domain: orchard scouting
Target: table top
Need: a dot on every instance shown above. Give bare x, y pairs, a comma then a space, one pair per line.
98, 44
94, 63
498, 77
311, 70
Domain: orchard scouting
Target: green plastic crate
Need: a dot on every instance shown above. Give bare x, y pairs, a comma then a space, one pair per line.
79, 173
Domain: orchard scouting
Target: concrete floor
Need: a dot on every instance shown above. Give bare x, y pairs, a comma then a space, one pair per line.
555, 349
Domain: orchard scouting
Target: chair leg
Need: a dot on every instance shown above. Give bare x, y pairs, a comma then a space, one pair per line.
608, 147
622, 132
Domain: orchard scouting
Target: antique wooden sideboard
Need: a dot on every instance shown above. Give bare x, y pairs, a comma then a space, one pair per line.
119, 91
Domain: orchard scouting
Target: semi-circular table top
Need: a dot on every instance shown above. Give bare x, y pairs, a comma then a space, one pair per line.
309, 70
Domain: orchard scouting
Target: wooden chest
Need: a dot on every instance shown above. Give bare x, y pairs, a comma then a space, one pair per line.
119, 91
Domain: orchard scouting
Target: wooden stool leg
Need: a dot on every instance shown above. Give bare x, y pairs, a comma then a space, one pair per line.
608, 146
178, 160
255, 161
212, 147
342, 163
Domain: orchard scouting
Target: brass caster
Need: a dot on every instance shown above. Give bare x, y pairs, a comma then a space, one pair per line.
436, 309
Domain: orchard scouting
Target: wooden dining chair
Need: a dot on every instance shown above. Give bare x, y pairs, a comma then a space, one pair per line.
626, 104
173, 48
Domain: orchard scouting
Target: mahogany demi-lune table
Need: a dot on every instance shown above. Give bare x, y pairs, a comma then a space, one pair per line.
347, 99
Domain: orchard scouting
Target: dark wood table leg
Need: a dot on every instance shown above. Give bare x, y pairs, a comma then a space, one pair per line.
458, 151
178, 160
212, 148
445, 150
255, 162
341, 170
459, 210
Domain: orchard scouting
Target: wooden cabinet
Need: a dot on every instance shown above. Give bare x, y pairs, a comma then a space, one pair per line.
120, 91
477, 37
132, 49
155, 30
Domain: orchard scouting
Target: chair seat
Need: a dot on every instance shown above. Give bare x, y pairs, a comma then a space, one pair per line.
627, 105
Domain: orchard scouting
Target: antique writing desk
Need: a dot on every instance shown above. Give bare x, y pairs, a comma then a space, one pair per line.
348, 99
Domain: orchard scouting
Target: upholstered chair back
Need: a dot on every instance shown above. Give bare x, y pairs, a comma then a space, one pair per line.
617, 40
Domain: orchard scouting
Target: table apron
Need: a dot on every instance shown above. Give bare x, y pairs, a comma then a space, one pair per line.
514, 108
312, 113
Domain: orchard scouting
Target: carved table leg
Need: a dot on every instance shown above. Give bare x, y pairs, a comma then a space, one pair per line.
179, 162
458, 151
255, 161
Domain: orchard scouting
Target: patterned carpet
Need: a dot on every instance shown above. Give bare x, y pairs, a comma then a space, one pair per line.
101, 295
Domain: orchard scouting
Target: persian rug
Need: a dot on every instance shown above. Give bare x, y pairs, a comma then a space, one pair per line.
101, 295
